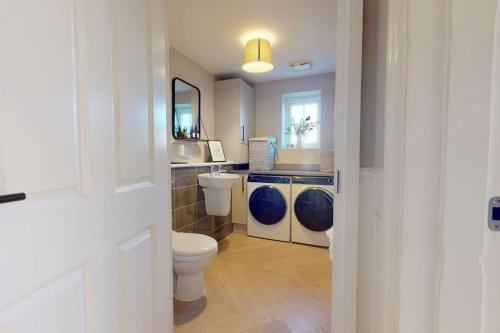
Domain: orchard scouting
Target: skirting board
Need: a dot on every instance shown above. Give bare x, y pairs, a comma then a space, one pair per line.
240, 228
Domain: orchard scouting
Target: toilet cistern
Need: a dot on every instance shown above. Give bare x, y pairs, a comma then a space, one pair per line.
217, 188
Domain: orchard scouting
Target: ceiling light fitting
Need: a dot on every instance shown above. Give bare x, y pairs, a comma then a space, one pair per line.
258, 57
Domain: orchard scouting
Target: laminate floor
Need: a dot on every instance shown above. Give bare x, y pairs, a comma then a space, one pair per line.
259, 286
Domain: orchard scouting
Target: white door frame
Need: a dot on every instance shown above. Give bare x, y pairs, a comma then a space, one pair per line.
386, 317
347, 108
347, 163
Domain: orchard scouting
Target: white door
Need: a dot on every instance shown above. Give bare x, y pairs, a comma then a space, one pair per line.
83, 134
491, 252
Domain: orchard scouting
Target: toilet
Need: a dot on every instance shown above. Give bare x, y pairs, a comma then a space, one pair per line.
191, 254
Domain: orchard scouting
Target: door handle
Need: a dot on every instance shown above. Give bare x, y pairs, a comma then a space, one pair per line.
12, 197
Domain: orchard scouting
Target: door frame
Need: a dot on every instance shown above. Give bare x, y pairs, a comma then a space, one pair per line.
349, 32
386, 318
347, 163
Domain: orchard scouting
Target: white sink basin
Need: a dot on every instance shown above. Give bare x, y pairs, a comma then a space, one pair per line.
217, 189
223, 181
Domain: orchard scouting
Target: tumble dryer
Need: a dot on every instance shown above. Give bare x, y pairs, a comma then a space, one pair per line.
269, 207
312, 205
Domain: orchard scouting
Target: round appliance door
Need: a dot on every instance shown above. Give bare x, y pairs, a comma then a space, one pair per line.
267, 205
314, 209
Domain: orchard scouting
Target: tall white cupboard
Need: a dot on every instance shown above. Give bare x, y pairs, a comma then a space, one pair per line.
234, 118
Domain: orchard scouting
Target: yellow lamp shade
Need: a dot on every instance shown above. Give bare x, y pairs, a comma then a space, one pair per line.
258, 57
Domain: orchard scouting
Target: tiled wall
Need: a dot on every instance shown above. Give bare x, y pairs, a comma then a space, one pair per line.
188, 202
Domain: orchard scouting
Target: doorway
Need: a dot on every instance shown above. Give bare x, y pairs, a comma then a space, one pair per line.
347, 119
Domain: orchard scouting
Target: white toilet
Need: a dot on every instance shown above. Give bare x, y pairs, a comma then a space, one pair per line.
191, 254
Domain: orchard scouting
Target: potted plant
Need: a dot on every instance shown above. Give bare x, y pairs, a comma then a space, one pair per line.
302, 128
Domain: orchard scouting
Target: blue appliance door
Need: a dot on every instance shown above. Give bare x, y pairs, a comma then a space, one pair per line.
267, 205
314, 209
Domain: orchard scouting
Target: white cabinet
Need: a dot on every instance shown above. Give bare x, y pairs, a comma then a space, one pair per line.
234, 117
239, 203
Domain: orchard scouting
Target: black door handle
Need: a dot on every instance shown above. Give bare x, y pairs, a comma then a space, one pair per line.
12, 197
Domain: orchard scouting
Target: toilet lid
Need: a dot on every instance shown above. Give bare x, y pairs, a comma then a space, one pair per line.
188, 244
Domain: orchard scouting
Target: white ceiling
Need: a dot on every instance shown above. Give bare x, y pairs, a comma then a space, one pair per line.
212, 33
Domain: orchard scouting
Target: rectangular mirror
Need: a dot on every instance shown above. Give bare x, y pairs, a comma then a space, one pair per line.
186, 114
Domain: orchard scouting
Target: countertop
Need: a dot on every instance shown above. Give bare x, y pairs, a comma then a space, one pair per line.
286, 173
200, 164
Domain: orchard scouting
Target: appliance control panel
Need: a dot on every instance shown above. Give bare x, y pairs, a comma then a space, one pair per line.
494, 214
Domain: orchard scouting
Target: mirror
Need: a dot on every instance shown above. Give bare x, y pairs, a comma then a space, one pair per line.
186, 122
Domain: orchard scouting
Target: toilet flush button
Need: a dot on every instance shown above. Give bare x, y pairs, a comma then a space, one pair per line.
494, 214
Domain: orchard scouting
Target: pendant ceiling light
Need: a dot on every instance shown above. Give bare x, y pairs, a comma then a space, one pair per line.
258, 57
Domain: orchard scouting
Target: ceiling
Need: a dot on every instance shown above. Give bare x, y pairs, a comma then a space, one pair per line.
213, 33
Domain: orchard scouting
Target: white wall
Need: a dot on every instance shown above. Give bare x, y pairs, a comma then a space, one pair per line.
188, 70
269, 112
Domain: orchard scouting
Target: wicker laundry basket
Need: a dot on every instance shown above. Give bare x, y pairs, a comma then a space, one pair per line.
262, 153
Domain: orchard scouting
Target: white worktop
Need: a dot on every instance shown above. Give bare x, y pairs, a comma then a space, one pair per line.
200, 164
275, 172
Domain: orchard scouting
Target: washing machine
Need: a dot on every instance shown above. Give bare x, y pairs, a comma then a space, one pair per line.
312, 209
269, 207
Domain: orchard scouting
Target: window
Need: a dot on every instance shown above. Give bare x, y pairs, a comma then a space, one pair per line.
297, 108
184, 116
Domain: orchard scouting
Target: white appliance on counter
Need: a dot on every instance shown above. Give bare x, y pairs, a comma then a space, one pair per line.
326, 160
312, 209
178, 153
269, 207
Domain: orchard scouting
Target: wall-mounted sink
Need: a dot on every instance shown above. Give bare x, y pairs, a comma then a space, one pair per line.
217, 189
221, 181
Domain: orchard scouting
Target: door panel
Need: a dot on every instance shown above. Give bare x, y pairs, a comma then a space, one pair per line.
137, 284
132, 91
39, 122
83, 129
58, 307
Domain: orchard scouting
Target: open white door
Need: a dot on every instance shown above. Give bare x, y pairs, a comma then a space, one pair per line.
347, 163
83, 134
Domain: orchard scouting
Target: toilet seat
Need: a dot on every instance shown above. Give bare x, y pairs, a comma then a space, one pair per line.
188, 247
193, 258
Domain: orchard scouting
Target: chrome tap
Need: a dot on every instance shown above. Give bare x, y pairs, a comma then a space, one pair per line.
215, 170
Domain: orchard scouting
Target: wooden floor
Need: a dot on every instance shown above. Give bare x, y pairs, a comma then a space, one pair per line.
259, 286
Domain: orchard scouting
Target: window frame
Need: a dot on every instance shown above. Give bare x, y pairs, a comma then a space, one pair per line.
299, 98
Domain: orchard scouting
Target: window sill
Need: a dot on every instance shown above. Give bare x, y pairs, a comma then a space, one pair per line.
303, 148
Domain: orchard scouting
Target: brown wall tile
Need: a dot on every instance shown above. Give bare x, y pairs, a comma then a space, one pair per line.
185, 177
185, 196
184, 216
201, 210
188, 202
188, 228
221, 220
205, 225
223, 231
200, 195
